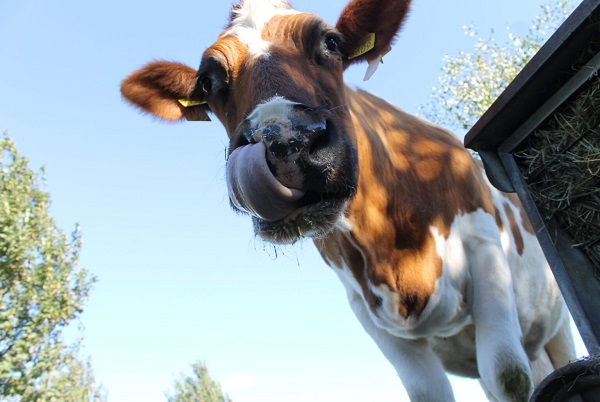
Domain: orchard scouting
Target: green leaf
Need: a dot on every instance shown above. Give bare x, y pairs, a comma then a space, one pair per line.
41, 290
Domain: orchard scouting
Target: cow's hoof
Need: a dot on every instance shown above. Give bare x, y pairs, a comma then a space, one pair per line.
515, 382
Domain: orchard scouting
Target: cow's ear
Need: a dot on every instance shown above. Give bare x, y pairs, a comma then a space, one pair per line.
165, 89
369, 28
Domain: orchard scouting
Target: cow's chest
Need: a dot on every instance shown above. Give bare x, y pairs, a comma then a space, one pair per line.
446, 311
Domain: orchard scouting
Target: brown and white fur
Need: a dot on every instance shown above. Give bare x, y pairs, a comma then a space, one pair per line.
442, 270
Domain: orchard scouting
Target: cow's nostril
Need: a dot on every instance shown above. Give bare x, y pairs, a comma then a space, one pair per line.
320, 142
279, 149
319, 139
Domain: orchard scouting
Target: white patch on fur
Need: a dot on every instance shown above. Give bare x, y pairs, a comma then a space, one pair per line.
348, 280
447, 311
535, 289
250, 20
276, 110
419, 369
474, 265
344, 223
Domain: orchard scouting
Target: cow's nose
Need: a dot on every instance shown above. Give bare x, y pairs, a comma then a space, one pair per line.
305, 140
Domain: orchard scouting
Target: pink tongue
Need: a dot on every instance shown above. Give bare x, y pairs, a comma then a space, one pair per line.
253, 188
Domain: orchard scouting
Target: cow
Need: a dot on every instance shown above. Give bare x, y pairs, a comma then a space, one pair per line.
442, 270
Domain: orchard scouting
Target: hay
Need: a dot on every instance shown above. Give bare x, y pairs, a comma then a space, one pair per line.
560, 162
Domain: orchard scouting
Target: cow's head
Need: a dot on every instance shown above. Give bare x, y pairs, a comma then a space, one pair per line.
274, 79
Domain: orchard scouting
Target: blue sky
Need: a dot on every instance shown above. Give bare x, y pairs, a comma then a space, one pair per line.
182, 277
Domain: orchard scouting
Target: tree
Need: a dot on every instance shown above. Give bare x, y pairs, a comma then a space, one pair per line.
41, 292
471, 82
199, 387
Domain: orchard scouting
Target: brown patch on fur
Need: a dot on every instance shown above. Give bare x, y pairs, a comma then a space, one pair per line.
498, 219
349, 253
526, 222
514, 199
413, 176
514, 228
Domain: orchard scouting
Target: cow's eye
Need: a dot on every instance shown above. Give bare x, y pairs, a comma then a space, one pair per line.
329, 48
212, 81
332, 43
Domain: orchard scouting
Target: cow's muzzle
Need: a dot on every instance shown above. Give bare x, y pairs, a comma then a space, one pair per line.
288, 168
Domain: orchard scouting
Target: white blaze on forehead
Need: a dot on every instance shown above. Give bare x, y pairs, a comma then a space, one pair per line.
250, 19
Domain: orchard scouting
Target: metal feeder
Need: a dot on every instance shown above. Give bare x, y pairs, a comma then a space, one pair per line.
541, 139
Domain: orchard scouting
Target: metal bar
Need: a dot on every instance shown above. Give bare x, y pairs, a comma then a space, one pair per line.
568, 264
495, 171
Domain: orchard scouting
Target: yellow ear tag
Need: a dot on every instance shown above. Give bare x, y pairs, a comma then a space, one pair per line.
189, 103
367, 44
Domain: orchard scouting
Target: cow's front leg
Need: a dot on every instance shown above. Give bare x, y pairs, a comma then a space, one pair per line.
420, 371
502, 362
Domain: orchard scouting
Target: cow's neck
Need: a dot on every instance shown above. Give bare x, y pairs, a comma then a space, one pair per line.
387, 235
